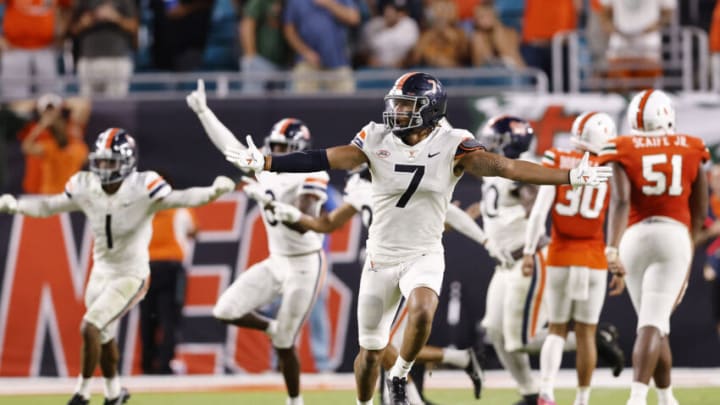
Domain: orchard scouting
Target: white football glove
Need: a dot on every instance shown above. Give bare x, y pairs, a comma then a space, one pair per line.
499, 253
249, 159
197, 100
286, 212
256, 191
357, 192
8, 204
585, 175
222, 185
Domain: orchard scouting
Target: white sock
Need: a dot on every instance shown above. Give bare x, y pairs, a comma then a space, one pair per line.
665, 396
582, 396
638, 392
83, 387
413, 396
400, 368
368, 402
550, 359
516, 363
272, 327
456, 357
298, 400
112, 387
570, 342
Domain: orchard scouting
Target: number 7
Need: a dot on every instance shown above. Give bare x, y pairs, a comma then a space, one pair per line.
414, 183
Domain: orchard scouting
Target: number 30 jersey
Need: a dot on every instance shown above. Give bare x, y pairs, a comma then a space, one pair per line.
411, 189
661, 170
122, 222
578, 216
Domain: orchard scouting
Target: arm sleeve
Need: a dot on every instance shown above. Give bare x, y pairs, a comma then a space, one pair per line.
463, 223
190, 197
47, 205
538, 215
218, 133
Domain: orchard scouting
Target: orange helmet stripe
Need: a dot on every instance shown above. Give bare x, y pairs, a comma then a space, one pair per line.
640, 121
584, 121
111, 136
399, 83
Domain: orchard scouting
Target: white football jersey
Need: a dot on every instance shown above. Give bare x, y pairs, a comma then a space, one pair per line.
411, 189
122, 222
504, 218
287, 188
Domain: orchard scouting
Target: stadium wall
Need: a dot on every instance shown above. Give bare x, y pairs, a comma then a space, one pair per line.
45, 262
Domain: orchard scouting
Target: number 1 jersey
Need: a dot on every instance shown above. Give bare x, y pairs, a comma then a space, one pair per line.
411, 189
661, 170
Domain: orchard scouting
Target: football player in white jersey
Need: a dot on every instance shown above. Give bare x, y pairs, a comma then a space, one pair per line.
296, 267
119, 203
415, 164
358, 199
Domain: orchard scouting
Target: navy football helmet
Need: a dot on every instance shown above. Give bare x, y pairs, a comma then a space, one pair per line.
290, 132
417, 100
506, 135
114, 155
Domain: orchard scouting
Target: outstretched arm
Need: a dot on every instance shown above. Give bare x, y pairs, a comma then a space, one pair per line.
36, 206
218, 133
481, 164
195, 196
325, 223
344, 157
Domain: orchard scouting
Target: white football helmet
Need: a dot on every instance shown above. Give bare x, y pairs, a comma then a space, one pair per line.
591, 130
651, 113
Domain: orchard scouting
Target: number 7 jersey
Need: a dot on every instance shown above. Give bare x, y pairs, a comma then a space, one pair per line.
411, 189
661, 170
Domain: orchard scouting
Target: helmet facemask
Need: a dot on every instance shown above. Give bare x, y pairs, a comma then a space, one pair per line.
111, 167
403, 113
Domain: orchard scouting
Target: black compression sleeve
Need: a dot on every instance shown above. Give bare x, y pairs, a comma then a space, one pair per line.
300, 162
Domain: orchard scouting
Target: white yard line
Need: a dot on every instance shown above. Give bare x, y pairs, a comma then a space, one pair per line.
682, 378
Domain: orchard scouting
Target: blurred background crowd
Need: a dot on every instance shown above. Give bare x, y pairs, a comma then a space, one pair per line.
102, 43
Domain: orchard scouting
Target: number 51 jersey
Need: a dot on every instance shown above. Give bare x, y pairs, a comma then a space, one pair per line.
661, 170
411, 189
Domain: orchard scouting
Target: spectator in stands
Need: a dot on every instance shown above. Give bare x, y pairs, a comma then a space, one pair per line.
53, 143
597, 36
540, 24
317, 30
13, 117
444, 44
387, 39
715, 47
634, 50
263, 43
30, 38
161, 309
493, 43
180, 31
106, 34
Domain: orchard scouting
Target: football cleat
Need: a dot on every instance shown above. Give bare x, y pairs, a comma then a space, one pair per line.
120, 399
78, 399
608, 347
531, 399
474, 370
397, 386
543, 400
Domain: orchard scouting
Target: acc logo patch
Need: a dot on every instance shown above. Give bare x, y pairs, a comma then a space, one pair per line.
382, 154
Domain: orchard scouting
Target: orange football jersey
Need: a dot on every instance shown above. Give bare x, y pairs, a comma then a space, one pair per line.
661, 170
578, 215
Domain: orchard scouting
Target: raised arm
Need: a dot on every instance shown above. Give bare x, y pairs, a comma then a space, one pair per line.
218, 133
38, 206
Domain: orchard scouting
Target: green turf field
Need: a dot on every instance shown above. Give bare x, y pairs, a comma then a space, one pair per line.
686, 396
